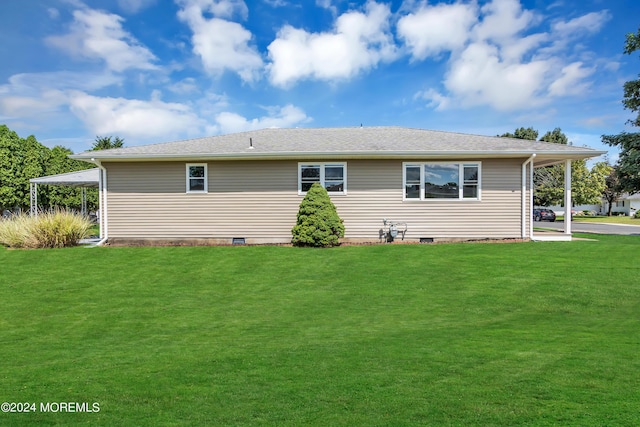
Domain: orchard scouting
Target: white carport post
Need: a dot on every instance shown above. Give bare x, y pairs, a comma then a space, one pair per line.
33, 195
568, 204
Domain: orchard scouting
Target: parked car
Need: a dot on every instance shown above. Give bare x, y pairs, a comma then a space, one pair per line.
544, 215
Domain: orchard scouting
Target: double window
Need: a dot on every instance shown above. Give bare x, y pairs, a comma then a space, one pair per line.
441, 181
196, 177
332, 176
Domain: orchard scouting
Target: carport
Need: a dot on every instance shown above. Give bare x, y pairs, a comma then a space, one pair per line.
84, 179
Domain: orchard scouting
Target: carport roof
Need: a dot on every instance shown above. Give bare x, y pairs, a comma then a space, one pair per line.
84, 178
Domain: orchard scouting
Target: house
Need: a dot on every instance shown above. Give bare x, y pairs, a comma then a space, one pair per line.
627, 204
248, 186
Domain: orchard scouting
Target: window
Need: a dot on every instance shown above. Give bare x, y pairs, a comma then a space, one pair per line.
196, 178
442, 181
332, 176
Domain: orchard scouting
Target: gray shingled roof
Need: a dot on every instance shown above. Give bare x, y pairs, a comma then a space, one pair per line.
334, 143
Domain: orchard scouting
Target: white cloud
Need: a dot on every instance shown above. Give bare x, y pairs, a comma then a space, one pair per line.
589, 23
571, 80
480, 77
497, 58
502, 20
30, 94
327, 4
358, 43
279, 117
184, 86
436, 100
134, 6
221, 44
433, 29
99, 36
134, 118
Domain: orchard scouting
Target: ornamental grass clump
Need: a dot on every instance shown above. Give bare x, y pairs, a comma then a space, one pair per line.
54, 229
318, 224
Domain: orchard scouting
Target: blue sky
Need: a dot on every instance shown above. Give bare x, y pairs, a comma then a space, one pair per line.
161, 70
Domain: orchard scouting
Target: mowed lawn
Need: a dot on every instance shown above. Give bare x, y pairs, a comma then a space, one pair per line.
390, 335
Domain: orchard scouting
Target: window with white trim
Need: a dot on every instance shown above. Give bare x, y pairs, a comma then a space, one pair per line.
196, 177
332, 176
441, 181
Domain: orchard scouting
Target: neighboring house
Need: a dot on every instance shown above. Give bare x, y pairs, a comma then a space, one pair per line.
249, 185
627, 204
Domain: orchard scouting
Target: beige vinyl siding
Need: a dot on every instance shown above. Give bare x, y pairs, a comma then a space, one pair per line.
376, 190
259, 200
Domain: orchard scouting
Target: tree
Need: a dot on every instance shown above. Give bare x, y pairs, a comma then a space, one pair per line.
318, 221
556, 136
586, 186
628, 167
22, 159
631, 99
613, 188
105, 143
522, 133
11, 164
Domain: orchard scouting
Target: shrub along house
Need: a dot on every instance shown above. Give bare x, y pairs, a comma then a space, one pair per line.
248, 186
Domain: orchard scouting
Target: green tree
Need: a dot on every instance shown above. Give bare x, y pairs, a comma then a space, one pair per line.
631, 98
522, 133
106, 143
11, 163
613, 188
586, 186
22, 159
628, 167
556, 136
318, 221
50, 196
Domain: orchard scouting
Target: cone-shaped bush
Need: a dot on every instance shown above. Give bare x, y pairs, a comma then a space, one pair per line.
318, 221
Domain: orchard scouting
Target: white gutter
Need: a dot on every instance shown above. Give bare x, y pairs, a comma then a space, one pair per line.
524, 198
102, 199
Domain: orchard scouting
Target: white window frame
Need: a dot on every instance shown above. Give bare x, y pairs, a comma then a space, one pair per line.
189, 178
322, 166
460, 198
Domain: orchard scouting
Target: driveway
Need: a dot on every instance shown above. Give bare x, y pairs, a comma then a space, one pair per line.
592, 227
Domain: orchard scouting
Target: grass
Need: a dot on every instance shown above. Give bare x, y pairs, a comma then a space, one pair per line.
608, 219
458, 334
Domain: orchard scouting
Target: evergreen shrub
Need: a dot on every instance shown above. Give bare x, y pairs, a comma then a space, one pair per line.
318, 224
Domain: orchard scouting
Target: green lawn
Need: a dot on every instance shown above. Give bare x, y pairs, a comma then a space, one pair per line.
395, 335
608, 219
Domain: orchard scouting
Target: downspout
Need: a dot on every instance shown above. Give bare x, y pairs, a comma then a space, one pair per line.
102, 199
524, 198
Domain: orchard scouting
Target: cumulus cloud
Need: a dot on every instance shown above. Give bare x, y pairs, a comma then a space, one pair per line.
28, 94
497, 57
221, 44
133, 118
278, 117
358, 42
430, 30
571, 80
480, 77
99, 36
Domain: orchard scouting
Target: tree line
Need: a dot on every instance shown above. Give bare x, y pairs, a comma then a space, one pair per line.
22, 159
625, 175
